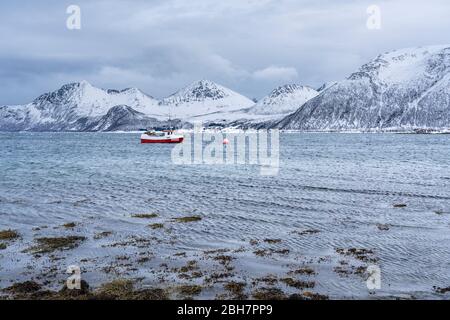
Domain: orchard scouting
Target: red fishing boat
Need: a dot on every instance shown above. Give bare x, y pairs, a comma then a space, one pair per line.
164, 136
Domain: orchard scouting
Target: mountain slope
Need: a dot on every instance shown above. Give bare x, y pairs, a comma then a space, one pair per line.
121, 118
402, 89
283, 100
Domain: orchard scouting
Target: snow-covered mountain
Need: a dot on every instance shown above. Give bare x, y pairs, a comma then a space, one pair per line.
205, 98
81, 106
71, 107
83, 99
400, 90
283, 100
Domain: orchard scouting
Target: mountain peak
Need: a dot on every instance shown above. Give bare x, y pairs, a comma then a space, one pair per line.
398, 90
77, 84
199, 91
204, 97
284, 99
82, 99
288, 89
204, 83
396, 66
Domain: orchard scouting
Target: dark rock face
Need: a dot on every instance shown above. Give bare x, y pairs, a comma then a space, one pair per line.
124, 118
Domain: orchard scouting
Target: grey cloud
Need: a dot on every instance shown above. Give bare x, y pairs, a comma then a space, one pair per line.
159, 46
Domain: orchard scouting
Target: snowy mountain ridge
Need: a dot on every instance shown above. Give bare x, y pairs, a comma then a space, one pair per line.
76, 106
400, 90
283, 100
203, 98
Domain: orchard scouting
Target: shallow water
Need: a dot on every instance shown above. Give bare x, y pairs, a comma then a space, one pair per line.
341, 185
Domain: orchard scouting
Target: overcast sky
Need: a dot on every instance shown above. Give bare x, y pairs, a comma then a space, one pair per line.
250, 46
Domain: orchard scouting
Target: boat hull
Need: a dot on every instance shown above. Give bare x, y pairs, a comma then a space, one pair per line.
171, 140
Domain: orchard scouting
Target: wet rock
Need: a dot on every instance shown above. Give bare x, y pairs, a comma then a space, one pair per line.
383, 227
103, 234
441, 290
143, 260
307, 232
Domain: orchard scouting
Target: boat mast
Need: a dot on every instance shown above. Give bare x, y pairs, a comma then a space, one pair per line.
170, 121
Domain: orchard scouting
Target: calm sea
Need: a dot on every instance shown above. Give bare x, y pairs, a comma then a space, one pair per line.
332, 191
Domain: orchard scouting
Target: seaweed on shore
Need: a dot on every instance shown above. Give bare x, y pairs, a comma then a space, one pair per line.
307, 295
304, 271
119, 289
145, 215
236, 289
102, 234
69, 225
364, 255
272, 241
46, 245
268, 252
156, 225
307, 232
266, 293
187, 219
299, 284
190, 290
9, 234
